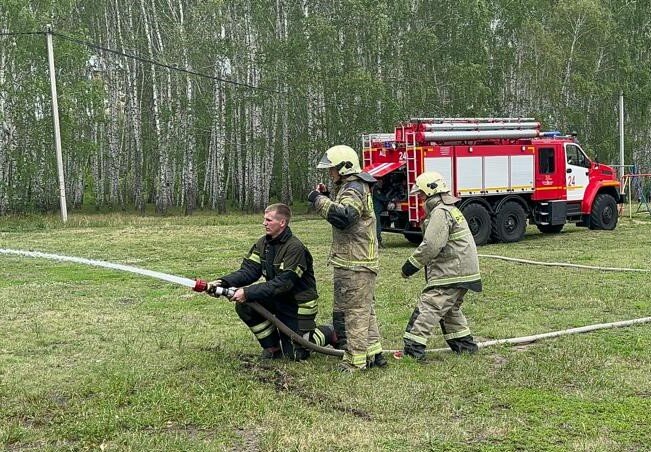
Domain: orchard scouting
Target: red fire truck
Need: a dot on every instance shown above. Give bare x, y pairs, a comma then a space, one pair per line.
504, 170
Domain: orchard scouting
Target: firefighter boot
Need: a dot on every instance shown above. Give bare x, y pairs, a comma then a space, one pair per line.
463, 344
271, 353
300, 353
415, 350
377, 360
324, 335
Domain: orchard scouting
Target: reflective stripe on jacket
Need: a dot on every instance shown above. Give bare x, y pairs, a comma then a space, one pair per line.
287, 267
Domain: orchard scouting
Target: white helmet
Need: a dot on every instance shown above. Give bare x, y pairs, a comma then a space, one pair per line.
430, 183
342, 157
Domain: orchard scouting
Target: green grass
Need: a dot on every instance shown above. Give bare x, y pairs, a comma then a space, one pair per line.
97, 359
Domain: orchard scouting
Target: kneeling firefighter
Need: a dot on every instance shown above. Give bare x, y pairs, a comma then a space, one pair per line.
289, 291
449, 254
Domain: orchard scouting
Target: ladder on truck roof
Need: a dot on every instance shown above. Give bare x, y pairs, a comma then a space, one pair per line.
366, 146
412, 173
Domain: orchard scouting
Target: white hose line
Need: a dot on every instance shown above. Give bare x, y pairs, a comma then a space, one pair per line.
563, 264
536, 337
515, 340
583, 329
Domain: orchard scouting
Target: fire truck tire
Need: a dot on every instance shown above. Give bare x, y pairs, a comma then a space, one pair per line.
604, 213
479, 221
510, 223
550, 228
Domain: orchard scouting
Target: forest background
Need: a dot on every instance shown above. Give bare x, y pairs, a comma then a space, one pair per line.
187, 104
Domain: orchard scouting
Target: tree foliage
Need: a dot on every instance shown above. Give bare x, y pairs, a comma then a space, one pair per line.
307, 75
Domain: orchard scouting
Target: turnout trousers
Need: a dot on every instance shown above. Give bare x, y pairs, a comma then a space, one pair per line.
442, 306
354, 319
268, 335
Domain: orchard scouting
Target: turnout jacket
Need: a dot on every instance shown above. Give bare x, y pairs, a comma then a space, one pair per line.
448, 250
354, 241
287, 267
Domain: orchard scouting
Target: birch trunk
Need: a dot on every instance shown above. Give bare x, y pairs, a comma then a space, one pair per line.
162, 186
577, 25
269, 156
97, 165
112, 85
133, 113
286, 182
167, 164
214, 179
314, 126
5, 127
237, 156
189, 152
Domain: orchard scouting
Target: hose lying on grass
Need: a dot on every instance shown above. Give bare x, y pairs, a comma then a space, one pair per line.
333, 352
536, 337
563, 264
511, 341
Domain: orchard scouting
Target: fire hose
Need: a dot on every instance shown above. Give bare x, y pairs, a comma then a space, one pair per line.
228, 292
201, 286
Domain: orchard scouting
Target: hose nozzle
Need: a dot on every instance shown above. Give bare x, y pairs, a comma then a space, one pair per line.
202, 286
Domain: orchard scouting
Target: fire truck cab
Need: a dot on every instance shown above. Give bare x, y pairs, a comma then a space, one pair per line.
504, 170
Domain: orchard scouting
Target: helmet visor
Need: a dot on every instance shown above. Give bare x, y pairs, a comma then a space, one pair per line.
325, 162
414, 189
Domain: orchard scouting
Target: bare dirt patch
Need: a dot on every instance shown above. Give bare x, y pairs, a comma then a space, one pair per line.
283, 382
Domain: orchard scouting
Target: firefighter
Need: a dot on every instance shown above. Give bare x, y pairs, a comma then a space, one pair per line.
354, 257
289, 291
449, 255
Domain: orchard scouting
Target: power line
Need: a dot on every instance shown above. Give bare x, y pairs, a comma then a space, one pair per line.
7, 33
163, 65
176, 68
154, 62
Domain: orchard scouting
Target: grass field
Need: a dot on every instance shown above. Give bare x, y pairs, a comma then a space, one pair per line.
94, 359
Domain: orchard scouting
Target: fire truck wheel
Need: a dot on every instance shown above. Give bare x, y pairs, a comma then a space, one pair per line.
604, 213
510, 223
479, 222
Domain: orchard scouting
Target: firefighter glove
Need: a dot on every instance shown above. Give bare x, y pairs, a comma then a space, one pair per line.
408, 269
212, 285
313, 195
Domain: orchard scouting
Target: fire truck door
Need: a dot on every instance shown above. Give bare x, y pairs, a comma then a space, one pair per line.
576, 172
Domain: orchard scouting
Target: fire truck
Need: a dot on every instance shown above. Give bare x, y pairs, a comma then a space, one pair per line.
504, 170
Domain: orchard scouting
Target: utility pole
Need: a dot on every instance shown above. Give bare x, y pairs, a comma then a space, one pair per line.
55, 117
621, 135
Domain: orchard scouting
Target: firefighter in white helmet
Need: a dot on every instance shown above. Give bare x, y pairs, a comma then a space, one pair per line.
449, 255
354, 257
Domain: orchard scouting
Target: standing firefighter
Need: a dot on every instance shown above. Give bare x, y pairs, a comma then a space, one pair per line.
289, 291
449, 254
354, 257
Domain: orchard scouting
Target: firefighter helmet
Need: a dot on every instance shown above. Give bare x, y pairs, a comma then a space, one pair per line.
342, 157
430, 183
